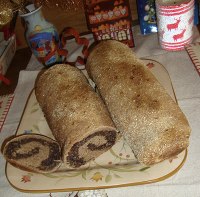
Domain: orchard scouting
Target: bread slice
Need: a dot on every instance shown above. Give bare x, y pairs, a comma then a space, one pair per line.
76, 115
151, 122
33, 152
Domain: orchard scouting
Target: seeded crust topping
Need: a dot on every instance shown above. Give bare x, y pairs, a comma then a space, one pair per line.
151, 122
75, 114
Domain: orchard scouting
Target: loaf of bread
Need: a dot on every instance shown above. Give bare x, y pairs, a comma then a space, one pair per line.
76, 115
150, 121
33, 152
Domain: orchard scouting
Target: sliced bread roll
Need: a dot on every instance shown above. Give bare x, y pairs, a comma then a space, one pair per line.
151, 122
76, 115
33, 152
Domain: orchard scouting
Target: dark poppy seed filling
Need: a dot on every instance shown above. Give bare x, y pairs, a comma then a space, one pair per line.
53, 159
75, 160
16, 151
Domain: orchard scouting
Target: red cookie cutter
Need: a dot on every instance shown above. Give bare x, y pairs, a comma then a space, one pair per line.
2, 77
69, 33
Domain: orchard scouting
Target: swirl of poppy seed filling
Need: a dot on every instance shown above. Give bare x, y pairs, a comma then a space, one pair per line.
13, 152
75, 160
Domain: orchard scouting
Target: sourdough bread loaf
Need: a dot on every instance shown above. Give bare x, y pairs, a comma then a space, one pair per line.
33, 152
77, 117
151, 122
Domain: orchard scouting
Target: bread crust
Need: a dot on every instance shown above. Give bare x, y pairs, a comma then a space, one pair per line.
72, 109
151, 122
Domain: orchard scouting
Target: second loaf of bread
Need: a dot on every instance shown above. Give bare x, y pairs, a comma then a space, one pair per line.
151, 122
75, 114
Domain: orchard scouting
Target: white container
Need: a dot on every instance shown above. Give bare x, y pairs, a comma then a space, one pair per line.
175, 23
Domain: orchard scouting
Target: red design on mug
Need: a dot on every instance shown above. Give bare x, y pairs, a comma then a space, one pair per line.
179, 36
174, 25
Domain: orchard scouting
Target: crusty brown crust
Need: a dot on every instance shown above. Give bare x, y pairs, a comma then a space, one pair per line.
151, 122
20, 151
73, 111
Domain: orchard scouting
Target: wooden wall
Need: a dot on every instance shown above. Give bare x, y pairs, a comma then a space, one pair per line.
61, 19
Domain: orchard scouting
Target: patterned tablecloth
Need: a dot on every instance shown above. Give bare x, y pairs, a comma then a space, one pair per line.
186, 83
